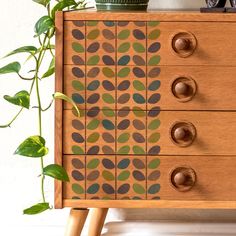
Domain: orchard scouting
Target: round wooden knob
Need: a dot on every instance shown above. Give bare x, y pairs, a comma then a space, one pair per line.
182, 44
183, 134
183, 178
180, 178
184, 88
181, 88
180, 133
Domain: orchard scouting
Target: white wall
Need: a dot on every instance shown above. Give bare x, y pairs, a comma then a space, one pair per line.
18, 175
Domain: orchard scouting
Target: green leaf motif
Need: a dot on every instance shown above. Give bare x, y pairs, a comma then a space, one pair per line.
107, 175
42, 2
93, 164
154, 164
37, 209
93, 138
77, 150
77, 47
108, 112
93, 60
77, 189
138, 85
138, 150
57, 172
108, 98
92, 23
123, 138
153, 23
124, 47
13, 67
77, 85
154, 138
21, 99
62, 96
124, 72
153, 35
44, 24
51, 69
62, 5
33, 146
27, 49
123, 176
155, 124
154, 61
92, 125
124, 150
139, 48
92, 35
139, 112
108, 72
138, 189
124, 34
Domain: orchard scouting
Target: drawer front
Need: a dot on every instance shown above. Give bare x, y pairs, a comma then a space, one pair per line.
150, 178
126, 132
206, 88
207, 46
136, 43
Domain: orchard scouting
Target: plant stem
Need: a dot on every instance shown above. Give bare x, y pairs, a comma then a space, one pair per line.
39, 61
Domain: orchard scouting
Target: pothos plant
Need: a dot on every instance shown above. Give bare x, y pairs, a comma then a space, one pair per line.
35, 146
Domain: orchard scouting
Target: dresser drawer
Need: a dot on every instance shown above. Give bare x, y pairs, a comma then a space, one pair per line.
208, 45
150, 178
108, 132
206, 88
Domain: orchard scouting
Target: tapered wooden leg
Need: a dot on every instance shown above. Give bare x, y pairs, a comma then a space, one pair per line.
97, 221
76, 222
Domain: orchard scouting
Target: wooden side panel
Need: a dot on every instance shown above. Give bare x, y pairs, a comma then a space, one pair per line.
59, 104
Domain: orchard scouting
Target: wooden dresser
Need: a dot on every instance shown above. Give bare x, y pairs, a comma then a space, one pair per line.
157, 95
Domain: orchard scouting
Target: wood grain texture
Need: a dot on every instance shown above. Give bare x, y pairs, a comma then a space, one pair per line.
139, 204
215, 132
178, 16
212, 84
76, 222
58, 104
97, 221
213, 48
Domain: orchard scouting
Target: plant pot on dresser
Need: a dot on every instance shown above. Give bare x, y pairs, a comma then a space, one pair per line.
156, 92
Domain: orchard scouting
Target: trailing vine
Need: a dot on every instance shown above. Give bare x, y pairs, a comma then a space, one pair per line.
35, 146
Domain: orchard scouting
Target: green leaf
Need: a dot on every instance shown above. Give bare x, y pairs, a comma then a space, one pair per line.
62, 96
21, 98
43, 25
37, 209
28, 49
56, 172
13, 67
51, 69
42, 2
51, 46
138, 188
62, 5
33, 146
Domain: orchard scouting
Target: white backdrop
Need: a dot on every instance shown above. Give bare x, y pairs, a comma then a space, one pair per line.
18, 175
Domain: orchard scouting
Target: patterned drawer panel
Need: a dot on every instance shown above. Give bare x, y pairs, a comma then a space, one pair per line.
150, 178
112, 177
154, 132
122, 132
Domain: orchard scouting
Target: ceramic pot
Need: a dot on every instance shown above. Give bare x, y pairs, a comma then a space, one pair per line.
122, 5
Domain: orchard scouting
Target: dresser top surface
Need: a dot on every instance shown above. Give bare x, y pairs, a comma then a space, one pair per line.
151, 15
